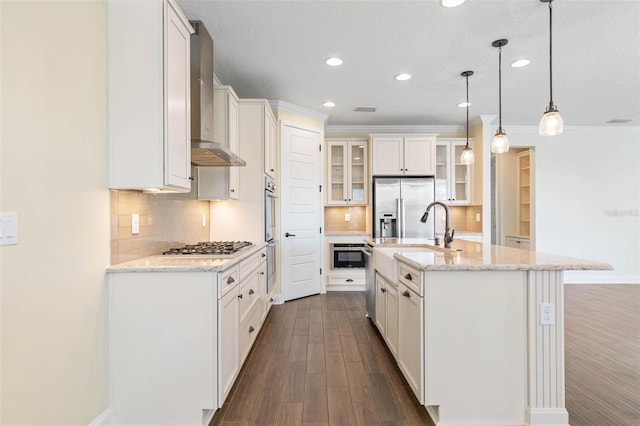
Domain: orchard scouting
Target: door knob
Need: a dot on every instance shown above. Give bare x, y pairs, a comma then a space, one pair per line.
289, 235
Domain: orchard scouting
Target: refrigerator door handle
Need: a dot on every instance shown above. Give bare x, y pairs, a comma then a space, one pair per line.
401, 211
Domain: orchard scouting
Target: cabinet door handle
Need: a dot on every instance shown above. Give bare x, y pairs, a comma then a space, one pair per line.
408, 277
289, 235
264, 255
232, 190
406, 293
251, 329
261, 272
272, 170
240, 296
251, 291
271, 299
384, 290
190, 177
230, 280
349, 280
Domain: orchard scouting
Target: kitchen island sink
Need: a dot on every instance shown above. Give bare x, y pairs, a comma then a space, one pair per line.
477, 330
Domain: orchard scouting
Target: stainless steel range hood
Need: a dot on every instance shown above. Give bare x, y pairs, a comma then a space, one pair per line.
204, 150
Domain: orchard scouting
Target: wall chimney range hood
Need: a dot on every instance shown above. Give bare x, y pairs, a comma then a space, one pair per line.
204, 150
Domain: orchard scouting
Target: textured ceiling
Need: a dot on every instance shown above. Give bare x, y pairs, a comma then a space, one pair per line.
276, 50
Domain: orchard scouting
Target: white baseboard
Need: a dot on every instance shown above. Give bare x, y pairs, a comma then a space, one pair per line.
575, 277
277, 299
104, 419
547, 416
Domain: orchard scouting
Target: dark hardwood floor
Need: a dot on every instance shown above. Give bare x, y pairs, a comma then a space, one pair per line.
319, 361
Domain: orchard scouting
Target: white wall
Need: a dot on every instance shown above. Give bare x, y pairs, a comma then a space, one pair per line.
582, 178
53, 174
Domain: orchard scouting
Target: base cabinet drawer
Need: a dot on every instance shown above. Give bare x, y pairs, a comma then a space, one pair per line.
337, 280
249, 330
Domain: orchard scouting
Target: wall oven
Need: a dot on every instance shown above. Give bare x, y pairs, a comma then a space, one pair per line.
347, 255
269, 230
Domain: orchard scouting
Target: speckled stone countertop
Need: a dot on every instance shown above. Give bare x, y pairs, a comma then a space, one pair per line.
471, 256
159, 263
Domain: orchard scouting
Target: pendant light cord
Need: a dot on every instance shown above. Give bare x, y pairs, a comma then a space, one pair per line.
500, 88
550, 57
467, 147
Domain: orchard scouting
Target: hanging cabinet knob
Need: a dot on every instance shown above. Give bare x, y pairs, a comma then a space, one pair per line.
406, 293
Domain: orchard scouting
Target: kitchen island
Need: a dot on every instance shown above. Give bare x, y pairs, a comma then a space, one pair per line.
479, 329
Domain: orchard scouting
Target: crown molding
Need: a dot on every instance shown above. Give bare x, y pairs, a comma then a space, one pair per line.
393, 129
286, 106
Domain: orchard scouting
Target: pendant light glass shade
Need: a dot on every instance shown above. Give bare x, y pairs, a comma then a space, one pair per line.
467, 157
500, 143
551, 123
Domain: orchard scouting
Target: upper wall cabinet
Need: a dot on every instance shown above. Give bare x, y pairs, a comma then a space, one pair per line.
149, 98
270, 144
347, 172
408, 155
454, 180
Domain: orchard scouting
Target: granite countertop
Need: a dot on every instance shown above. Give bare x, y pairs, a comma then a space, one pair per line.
471, 256
159, 263
347, 233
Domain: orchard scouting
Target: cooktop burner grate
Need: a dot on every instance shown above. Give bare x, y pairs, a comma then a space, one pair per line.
209, 249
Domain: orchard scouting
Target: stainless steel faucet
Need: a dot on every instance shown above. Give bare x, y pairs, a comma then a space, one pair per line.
447, 237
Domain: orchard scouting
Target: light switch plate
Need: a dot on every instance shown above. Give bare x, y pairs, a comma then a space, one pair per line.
477, 217
347, 217
135, 223
8, 229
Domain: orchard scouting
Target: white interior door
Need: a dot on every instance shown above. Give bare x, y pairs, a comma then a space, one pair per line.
301, 204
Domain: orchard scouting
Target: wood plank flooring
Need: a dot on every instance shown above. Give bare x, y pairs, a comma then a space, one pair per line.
319, 361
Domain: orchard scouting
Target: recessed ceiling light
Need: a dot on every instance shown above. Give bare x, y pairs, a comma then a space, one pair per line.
451, 3
329, 104
334, 62
403, 77
520, 63
464, 104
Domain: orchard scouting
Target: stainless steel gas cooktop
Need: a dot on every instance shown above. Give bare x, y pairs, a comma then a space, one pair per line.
210, 249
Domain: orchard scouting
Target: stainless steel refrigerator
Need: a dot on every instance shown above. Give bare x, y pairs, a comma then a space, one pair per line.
398, 205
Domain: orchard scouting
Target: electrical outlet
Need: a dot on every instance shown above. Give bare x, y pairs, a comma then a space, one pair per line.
204, 219
8, 229
547, 314
347, 217
135, 224
477, 217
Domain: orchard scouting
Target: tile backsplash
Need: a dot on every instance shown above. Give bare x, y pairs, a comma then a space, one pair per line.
334, 219
461, 218
166, 220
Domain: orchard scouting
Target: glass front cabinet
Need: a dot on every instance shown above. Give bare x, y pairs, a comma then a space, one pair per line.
347, 172
453, 179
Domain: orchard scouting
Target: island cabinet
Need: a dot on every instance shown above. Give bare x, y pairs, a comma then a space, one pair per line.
403, 155
149, 97
179, 336
387, 312
411, 331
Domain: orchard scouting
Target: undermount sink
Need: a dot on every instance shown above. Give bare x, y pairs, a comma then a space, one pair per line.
386, 264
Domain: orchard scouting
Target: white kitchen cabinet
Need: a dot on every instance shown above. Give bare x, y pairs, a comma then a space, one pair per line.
149, 98
222, 182
347, 174
524, 161
228, 343
518, 242
454, 180
270, 144
392, 337
411, 338
381, 304
408, 155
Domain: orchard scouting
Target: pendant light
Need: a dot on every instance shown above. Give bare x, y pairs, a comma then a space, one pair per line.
500, 143
467, 156
551, 123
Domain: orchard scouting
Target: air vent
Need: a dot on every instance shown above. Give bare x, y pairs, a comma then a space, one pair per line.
365, 109
618, 121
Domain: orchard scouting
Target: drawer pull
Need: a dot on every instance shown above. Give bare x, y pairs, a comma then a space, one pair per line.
406, 293
251, 329
271, 299
240, 296
251, 291
230, 280
384, 290
264, 255
262, 273
408, 277
349, 280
